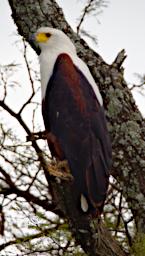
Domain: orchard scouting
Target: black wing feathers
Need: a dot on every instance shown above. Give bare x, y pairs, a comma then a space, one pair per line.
78, 122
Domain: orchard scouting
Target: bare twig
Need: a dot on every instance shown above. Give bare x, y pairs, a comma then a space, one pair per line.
137, 86
85, 12
30, 78
91, 6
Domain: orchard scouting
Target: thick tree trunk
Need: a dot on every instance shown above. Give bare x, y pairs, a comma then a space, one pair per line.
125, 123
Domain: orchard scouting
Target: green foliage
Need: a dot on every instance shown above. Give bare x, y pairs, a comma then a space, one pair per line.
138, 248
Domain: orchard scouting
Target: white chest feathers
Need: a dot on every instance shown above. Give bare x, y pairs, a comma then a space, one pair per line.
47, 62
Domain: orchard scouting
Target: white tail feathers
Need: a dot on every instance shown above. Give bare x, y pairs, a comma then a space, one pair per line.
84, 203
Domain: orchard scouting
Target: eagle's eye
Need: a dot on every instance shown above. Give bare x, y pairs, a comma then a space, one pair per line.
48, 34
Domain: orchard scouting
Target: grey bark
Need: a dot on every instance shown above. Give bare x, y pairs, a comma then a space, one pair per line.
125, 123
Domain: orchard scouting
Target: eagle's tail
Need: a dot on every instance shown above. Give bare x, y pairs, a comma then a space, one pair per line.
97, 180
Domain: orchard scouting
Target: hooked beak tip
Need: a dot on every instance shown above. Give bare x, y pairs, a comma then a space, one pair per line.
32, 38
34, 44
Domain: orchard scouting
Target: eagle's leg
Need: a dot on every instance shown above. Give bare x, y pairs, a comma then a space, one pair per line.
60, 169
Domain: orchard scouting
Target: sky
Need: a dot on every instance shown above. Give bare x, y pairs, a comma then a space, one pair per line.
121, 26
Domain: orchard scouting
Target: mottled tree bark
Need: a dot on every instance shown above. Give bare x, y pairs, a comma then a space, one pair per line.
125, 122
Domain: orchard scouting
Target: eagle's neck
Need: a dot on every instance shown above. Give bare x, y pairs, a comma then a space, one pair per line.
46, 68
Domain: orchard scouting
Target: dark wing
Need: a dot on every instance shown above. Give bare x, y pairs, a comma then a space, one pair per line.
74, 116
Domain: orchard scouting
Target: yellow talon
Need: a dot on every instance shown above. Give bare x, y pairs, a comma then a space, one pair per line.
60, 169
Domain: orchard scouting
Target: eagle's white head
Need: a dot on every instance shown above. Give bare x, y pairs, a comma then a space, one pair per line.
52, 42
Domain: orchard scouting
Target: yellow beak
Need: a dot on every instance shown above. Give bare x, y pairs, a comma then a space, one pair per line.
41, 38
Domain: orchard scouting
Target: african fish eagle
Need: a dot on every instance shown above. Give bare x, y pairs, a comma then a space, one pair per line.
74, 117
